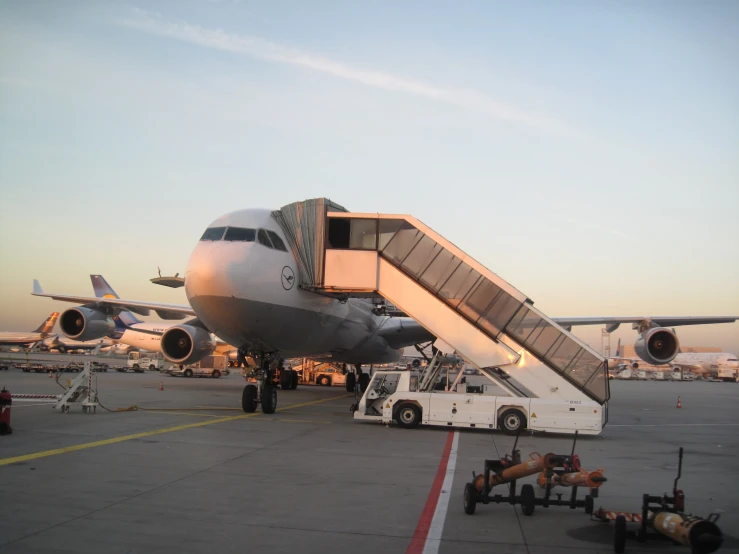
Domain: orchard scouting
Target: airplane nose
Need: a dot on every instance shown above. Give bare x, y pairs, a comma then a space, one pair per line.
201, 275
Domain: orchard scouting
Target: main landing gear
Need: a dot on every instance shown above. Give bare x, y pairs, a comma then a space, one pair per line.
357, 377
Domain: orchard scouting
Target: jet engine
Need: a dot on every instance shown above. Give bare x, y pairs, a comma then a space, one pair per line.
185, 344
657, 346
85, 324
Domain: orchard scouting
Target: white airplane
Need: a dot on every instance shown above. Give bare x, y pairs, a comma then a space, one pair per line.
705, 363
11, 338
241, 285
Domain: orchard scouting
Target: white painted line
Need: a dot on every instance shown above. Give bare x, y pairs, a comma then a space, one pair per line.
433, 540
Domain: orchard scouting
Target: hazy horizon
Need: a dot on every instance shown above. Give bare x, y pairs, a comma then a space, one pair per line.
585, 152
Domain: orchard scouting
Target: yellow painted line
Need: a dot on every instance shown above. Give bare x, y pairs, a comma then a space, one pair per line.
186, 413
114, 440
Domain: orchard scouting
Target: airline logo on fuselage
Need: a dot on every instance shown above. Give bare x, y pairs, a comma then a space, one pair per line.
288, 278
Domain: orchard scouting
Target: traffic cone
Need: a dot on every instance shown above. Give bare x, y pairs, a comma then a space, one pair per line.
679, 402
161, 385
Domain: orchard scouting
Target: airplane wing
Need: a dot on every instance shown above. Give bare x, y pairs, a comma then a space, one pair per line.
405, 332
667, 321
165, 311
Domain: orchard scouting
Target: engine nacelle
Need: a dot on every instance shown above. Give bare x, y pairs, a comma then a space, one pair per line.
657, 346
85, 324
185, 344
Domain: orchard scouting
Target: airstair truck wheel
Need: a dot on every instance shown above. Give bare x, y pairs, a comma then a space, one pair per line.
619, 535
470, 498
528, 500
512, 421
408, 415
351, 380
269, 399
249, 399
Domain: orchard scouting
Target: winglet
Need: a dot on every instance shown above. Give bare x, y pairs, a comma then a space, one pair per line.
37, 287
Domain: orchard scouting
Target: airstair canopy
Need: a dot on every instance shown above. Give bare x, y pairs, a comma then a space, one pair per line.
304, 227
488, 321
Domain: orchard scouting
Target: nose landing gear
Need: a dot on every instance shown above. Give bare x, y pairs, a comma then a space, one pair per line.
263, 390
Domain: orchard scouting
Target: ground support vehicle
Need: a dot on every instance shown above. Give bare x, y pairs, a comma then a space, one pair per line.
38, 368
664, 517
210, 366
141, 361
330, 375
410, 399
554, 470
728, 374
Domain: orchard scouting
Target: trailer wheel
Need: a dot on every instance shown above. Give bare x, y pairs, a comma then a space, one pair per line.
325, 381
364, 380
249, 399
588, 504
135, 367
351, 380
293, 379
470, 498
619, 535
152, 367
408, 415
528, 500
188, 373
269, 399
512, 421
216, 374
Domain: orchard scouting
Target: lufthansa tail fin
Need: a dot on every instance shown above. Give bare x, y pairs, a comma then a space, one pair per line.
104, 290
48, 325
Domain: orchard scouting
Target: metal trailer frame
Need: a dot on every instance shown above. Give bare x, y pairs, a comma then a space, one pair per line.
651, 506
527, 499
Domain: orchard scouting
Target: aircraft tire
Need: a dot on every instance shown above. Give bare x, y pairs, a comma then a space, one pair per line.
351, 381
269, 399
249, 399
364, 380
285, 379
293, 379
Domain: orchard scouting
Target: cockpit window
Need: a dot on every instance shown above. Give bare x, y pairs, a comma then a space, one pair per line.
241, 234
262, 238
213, 233
277, 241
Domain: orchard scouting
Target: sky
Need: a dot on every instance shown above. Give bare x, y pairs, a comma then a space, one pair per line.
586, 152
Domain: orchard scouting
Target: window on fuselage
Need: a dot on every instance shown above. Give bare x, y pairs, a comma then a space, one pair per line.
213, 233
262, 238
277, 241
240, 234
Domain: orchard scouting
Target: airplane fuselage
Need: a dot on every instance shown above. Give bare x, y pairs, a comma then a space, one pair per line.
247, 294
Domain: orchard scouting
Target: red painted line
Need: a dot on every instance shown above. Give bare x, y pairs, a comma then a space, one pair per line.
424, 523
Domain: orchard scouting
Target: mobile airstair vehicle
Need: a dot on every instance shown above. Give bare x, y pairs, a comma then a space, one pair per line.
554, 381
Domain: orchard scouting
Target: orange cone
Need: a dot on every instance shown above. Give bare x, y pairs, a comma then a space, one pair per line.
679, 402
161, 385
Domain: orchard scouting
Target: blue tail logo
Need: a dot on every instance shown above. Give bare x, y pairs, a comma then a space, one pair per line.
104, 290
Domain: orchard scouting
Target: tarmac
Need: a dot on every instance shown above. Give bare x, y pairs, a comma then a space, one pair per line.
188, 471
